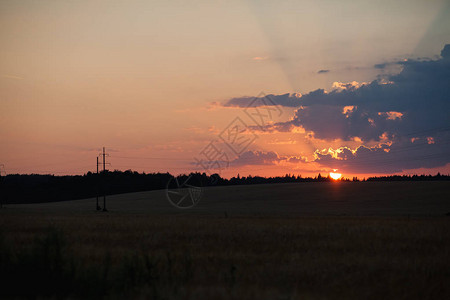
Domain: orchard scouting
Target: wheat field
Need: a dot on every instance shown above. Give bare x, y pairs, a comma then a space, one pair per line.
246, 247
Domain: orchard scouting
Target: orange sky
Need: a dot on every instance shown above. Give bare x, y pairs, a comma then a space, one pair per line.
146, 79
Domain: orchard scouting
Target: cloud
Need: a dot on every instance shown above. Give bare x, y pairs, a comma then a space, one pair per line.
256, 158
380, 66
414, 103
297, 159
322, 71
288, 100
386, 157
340, 86
391, 115
445, 53
414, 100
264, 158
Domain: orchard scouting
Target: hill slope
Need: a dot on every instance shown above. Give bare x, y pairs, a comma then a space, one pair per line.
335, 198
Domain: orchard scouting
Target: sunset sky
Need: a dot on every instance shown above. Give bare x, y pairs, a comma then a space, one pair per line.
360, 87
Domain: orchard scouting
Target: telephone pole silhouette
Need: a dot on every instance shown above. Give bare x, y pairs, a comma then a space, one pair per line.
104, 155
2, 171
97, 179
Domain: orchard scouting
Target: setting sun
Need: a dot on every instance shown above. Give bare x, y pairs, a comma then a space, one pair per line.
335, 176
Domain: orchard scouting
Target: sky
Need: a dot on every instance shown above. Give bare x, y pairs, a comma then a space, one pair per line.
250, 87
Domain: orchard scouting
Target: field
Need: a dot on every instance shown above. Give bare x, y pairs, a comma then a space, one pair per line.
365, 240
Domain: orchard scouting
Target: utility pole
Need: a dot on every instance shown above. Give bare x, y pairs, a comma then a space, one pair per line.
2, 171
97, 183
104, 174
104, 155
103, 159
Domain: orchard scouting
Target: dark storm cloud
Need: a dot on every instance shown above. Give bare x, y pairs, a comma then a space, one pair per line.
445, 53
412, 104
414, 100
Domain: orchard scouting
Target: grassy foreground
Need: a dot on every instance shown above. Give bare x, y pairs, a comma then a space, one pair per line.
211, 257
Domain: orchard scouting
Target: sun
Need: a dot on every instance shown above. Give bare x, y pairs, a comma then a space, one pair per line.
335, 176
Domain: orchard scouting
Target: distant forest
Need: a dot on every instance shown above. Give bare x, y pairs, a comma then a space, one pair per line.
36, 188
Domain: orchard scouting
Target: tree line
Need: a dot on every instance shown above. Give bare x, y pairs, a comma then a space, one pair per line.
35, 188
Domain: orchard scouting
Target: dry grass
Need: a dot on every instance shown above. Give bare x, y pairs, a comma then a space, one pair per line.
211, 257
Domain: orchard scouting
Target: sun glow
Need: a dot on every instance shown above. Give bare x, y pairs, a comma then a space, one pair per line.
335, 176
